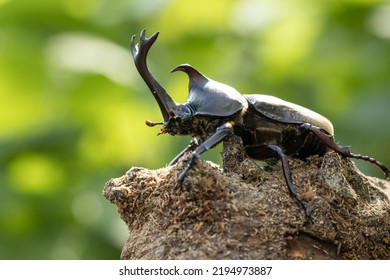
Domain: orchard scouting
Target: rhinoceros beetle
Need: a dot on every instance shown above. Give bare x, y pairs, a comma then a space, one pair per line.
270, 128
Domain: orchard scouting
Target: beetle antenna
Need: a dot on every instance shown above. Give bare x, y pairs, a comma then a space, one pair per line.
151, 124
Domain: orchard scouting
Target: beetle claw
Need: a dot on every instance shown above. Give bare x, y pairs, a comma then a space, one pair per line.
179, 185
305, 208
387, 175
183, 173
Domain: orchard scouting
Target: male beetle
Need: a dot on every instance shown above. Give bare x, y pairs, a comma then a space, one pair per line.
270, 128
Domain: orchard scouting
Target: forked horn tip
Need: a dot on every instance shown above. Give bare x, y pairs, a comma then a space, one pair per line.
144, 38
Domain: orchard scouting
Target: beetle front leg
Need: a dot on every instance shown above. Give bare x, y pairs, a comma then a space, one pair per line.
191, 147
342, 150
221, 132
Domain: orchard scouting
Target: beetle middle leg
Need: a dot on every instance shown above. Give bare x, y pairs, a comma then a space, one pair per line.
221, 132
342, 150
273, 151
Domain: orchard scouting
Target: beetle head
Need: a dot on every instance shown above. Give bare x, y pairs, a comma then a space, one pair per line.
179, 122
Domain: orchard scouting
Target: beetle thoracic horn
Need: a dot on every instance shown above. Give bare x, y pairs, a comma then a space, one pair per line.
140, 51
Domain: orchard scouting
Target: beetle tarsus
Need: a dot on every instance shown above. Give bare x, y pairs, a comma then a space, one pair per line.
184, 172
371, 160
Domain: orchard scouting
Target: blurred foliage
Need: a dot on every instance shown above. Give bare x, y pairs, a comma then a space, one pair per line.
72, 106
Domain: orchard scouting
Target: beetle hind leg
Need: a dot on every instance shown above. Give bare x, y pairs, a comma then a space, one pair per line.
328, 140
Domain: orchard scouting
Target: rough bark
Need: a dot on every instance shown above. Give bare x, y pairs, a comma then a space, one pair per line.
245, 211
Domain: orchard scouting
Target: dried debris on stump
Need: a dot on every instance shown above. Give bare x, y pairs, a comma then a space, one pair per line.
246, 212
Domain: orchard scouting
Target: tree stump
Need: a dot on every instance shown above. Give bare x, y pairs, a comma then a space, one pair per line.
246, 212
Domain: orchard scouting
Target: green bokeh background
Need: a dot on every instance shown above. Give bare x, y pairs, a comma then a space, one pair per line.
72, 106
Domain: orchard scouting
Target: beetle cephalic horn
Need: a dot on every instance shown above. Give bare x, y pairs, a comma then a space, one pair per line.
140, 51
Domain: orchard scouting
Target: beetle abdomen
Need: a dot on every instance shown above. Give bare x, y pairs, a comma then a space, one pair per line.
303, 145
